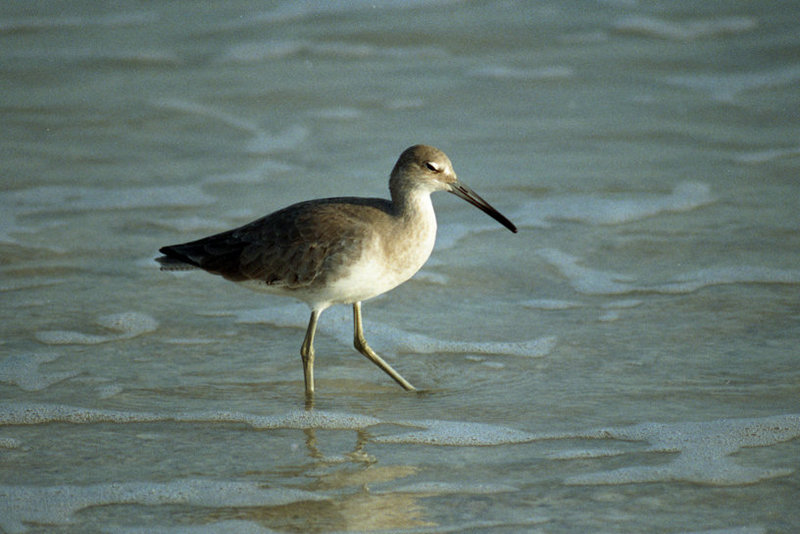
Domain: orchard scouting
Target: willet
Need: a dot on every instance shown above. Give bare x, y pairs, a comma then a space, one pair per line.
337, 250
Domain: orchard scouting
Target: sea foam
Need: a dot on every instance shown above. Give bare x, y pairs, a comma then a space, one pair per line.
22, 24
256, 51
612, 209
57, 504
453, 433
23, 370
127, 325
767, 155
85, 198
685, 30
705, 450
390, 338
232, 525
594, 209
726, 87
440, 488
551, 72
43, 199
596, 282
40, 413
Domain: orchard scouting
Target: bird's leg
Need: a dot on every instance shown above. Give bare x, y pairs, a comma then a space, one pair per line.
307, 354
362, 347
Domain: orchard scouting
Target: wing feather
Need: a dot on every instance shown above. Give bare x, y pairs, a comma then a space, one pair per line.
293, 247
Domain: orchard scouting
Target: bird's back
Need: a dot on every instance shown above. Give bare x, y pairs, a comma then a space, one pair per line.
292, 248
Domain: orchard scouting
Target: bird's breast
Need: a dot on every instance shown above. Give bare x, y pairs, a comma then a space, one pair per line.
386, 260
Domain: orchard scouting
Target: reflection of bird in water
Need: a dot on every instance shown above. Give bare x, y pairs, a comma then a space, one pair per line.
358, 455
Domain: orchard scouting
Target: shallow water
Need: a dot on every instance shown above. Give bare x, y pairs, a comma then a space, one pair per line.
628, 362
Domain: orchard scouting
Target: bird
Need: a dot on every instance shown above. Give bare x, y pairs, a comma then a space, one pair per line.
341, 250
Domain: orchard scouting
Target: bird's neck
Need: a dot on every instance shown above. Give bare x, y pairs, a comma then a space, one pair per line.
415, 232
414, 207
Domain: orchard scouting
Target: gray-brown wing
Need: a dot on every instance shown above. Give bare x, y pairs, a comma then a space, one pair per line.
292, 247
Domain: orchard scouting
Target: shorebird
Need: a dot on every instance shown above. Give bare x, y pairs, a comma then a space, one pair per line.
337, 250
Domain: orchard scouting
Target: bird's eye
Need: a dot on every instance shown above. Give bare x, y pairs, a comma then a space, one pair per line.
432, 166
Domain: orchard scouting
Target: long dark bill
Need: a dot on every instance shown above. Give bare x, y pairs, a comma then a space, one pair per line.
462, 191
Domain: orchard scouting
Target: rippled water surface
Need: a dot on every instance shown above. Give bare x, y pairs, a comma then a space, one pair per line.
627, 362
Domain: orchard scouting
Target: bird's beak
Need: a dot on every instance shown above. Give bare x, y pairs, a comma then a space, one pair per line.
462, 191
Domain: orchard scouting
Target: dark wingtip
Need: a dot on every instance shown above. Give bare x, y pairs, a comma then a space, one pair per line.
173, 264
173, 260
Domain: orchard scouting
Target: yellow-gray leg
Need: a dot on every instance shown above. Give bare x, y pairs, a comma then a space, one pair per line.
362, 347
307, 353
